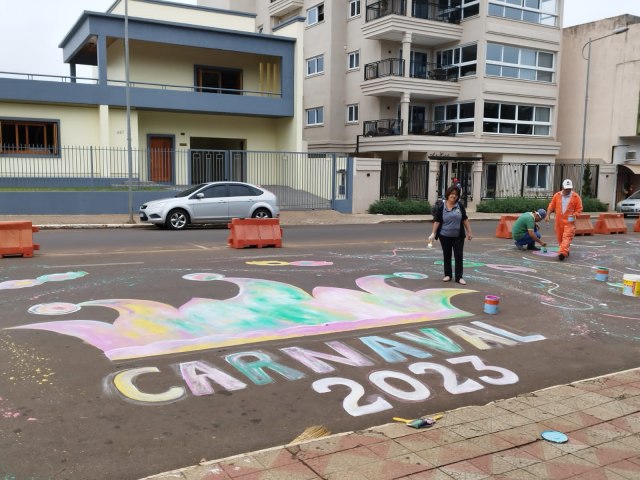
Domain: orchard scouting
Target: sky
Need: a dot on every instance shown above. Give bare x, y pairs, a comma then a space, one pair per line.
32, 29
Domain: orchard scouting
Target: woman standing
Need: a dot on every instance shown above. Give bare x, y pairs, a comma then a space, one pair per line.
450, 223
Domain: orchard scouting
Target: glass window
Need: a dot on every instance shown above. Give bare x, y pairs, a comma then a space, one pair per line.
216, 191
315, 65
353, 60
38, 137
544, 12
354, 8
510, 119
240, 191
352, 113
315, 116
315, 15
515, 62
460, 61
460, 115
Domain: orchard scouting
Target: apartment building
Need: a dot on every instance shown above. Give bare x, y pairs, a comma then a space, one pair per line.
464, 89
607, 136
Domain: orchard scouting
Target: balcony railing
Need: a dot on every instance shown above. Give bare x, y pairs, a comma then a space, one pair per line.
382, 128
391, 67
434, 11
386, 7
438, 129
426, 11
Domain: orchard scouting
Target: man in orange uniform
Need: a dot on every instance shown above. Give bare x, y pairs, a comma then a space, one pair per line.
566, 204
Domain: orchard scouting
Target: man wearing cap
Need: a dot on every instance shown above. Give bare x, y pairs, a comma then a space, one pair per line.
525, 230
566, 204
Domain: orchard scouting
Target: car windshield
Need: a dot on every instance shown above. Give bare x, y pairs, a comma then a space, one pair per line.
635, 195
189, 191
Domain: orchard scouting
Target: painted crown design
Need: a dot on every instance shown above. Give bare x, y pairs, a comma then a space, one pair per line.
262, 310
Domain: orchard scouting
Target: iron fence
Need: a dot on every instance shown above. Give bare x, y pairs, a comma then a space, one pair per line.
300, 180
499, 180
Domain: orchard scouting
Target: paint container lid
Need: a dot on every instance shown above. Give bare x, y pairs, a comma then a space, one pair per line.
492, 299
554, 436
602, 269
631, 277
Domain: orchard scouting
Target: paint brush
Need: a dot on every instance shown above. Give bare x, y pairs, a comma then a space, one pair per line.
419, 422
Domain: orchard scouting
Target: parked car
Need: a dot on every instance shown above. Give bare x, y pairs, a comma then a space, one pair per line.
214, 202
630, 205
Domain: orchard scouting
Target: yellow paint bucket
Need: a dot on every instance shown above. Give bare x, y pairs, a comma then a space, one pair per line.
631, 285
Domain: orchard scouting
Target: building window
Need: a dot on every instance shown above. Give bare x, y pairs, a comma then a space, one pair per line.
354, 8
315, 15
315, 65
459, 114
39, 137
315, 116
523, 63
219, 80
544, 12
461, 8
463, 58
510, 119
352, 113
538, 176
353, 60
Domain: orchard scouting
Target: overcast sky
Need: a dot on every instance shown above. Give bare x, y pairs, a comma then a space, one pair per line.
32, 29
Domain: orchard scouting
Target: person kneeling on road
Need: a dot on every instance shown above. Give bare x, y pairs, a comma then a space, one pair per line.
525, 230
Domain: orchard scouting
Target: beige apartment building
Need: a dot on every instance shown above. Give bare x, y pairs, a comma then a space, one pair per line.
489, 92
464, 89
610, 138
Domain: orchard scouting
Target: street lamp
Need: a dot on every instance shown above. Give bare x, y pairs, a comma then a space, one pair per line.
617, 31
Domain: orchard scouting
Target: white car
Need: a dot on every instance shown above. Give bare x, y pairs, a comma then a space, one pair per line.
630, 205
215, 202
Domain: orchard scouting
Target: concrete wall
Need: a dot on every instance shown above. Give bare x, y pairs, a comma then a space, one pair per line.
366, 183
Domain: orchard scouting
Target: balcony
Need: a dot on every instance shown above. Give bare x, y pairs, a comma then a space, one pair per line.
430, 25
436, 129
427, 82
279, 8
382, 128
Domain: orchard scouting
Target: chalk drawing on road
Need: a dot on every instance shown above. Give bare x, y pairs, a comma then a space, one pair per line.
297, 263
56, 308
32, 282
262, 310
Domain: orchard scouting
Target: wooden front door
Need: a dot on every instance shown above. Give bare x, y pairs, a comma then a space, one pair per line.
160, 156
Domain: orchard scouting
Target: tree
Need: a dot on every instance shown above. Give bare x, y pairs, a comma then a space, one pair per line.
403, 191
586, 181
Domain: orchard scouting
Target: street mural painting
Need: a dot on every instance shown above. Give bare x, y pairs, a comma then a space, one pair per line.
268, 310
297, 263
32, 282
262, 310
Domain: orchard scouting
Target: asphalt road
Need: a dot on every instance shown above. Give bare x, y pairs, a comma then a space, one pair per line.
146, 350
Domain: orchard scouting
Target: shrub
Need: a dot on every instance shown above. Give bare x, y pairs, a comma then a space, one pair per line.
521, 204
393, 206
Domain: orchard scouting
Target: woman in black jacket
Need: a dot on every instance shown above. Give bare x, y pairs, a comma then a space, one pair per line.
450, 223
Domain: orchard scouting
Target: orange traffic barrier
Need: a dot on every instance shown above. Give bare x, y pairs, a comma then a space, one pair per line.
583, 224
503, 230
254, 232
636, 226
610, 223
16, 239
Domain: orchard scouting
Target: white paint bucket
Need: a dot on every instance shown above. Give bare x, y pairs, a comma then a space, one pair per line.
631, 285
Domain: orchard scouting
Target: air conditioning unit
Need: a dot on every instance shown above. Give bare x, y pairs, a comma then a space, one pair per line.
630, 155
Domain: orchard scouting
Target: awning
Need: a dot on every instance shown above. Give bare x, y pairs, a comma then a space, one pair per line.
634, 168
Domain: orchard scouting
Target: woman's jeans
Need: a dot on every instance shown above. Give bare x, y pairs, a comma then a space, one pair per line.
455, 244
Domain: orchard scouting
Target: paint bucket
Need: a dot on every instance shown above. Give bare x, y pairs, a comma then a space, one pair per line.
602, 274
631, 285
491, 303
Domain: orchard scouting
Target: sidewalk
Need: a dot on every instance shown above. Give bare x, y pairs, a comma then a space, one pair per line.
600, 416
287, 218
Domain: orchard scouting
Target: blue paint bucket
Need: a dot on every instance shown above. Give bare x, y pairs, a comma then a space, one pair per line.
602, 274
491, 303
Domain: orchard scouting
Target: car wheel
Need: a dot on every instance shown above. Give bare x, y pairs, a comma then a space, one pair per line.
261, 213
177, 219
